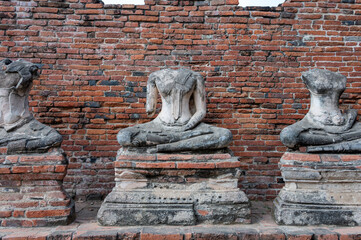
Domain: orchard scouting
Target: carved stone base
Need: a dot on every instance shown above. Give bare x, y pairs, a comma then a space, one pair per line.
320, 189
31, 192
175, 189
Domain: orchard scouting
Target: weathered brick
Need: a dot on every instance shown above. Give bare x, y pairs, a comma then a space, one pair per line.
225, 164
155, 165
195, 165
302, 157
149, 236
347, 158
4, 169
6, 214
21, 169
46, 213
143, 18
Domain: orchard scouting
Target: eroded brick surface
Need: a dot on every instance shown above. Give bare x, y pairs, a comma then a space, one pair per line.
31, 193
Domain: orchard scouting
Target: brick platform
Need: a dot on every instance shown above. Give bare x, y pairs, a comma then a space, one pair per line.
31, 192
263, 228
175, 189
320, 189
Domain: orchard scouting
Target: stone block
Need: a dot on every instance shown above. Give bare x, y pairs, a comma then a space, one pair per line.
175, 189
319, 192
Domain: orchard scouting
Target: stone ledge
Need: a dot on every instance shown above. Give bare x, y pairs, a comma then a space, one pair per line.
151, 189
322, 158
176, 161
319, 189
174, 157
263, 228
212, 164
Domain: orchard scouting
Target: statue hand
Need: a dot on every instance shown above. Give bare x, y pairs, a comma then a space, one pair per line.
150, 113
187, 127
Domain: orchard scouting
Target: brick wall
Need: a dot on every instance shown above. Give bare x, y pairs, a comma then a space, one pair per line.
95, 61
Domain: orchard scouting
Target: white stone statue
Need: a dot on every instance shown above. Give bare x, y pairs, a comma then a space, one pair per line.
178, 126
325, 128
19, 131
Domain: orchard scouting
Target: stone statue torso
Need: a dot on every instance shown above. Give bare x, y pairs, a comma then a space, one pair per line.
176, 89
325, 128
178, 126
19, 131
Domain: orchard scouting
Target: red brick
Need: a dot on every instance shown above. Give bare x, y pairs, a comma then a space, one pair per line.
203, 212
3, 150
155, 165
21, 169
175, 157
299, 236
143, 18
24, 204
348, 158
137, 157
89, 11
6, 214
60, 168
122, 164
46, 213
12, 158
302, 157
195, 165
4, 170
16, 223
60, 203
18, 213
43, 168
330, 158
232, 2
272, 234
149, 236
36, 159
228, 164
108, 235
333, 236
213, 156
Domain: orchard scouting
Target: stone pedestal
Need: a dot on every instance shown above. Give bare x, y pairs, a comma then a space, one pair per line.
31, 193
320, 189
175, 189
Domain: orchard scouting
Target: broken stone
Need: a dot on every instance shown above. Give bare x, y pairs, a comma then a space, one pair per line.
325, 128
19, 131
178, 126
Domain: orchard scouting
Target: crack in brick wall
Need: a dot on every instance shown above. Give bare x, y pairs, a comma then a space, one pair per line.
95, 61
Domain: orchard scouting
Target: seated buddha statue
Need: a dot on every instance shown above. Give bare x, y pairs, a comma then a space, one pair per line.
178, 126
20, 132
325, 128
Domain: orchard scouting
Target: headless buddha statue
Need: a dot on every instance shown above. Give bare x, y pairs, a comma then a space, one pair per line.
178, 126
325, 128
19, 131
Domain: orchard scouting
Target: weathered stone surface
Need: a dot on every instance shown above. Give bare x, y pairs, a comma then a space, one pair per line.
19, 131
174, 207
319, 189
325, 123
178, 126
175, 189
263, 229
